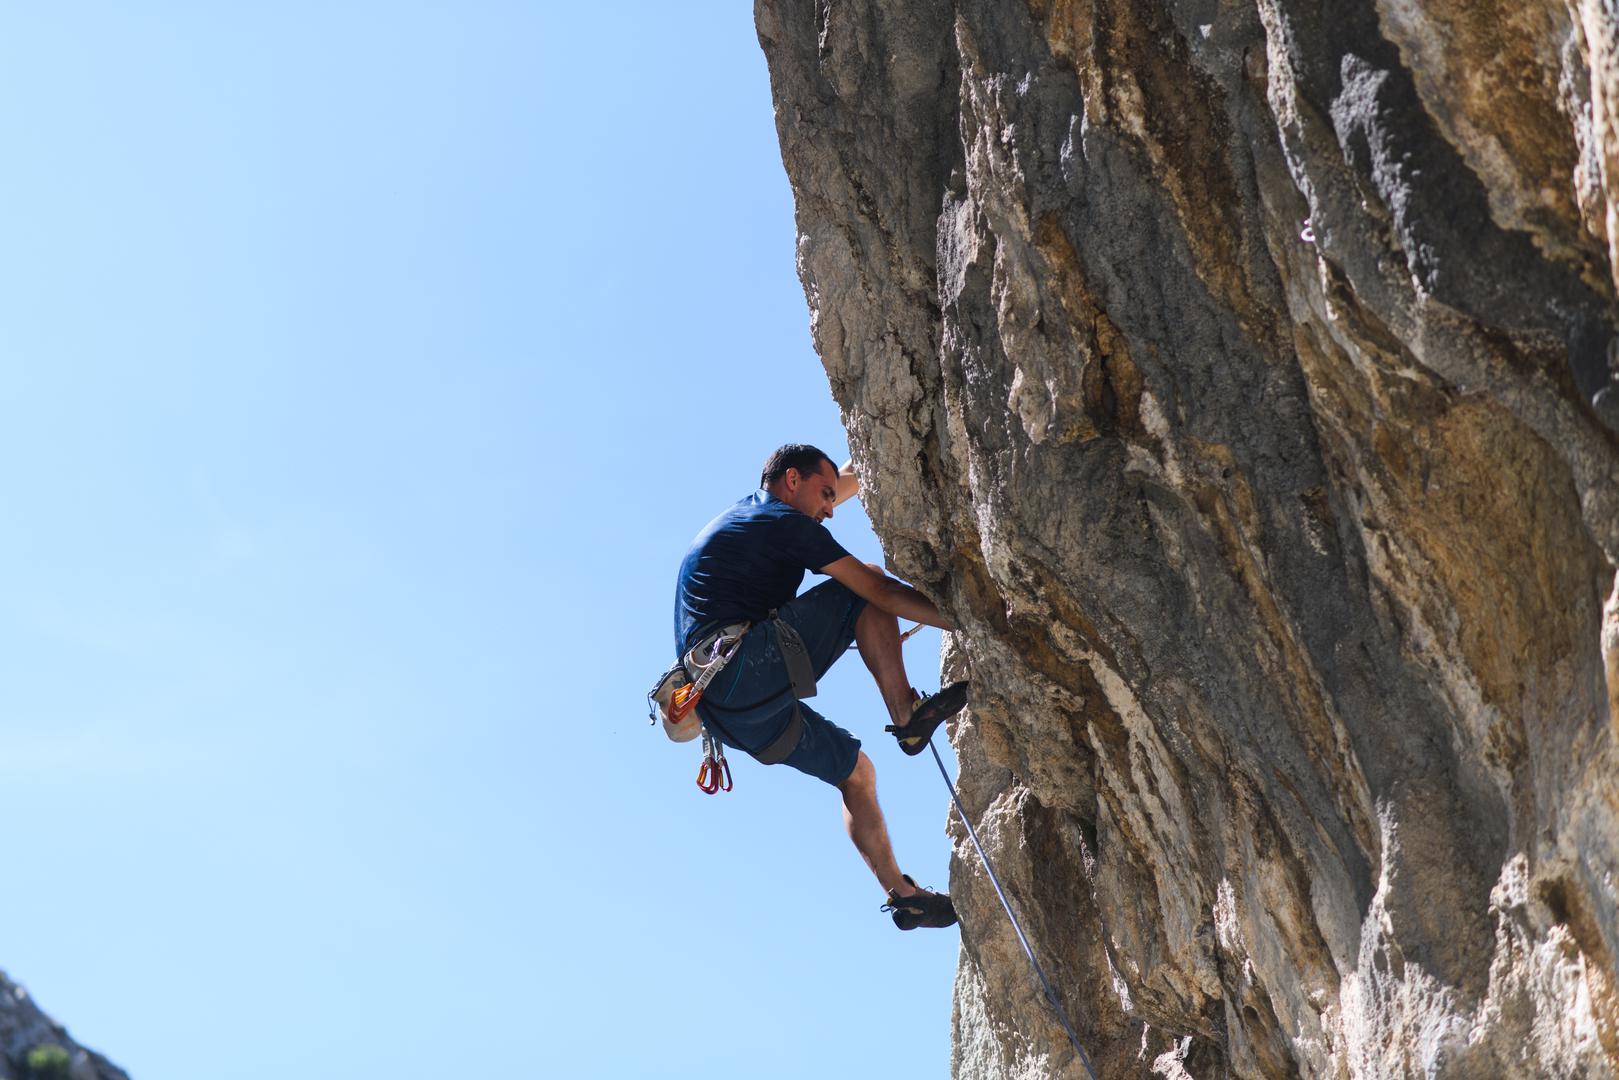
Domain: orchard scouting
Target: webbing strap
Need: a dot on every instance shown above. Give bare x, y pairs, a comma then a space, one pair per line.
1051, 995
800, 668
801, 677
782, 746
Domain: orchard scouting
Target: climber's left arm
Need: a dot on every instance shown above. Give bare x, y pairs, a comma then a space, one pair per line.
848, 483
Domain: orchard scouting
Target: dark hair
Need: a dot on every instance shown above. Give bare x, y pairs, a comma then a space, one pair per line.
806, 459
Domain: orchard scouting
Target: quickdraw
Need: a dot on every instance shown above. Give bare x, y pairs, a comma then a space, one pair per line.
714, 775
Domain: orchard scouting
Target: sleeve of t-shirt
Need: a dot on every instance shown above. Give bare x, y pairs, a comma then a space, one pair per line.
807, 542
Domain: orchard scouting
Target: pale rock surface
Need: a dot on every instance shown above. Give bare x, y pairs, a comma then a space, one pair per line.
23, 1026
1241, 375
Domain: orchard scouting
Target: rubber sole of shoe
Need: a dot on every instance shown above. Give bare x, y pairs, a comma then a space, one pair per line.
913, 737
935, 911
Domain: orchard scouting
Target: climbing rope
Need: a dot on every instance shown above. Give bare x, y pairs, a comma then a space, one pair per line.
903, 638
1017, 927
1051, 995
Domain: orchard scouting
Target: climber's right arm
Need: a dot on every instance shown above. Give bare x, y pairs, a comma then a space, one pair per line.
885, 593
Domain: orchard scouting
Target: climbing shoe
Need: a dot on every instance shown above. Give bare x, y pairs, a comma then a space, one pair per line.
921, 908
926, 717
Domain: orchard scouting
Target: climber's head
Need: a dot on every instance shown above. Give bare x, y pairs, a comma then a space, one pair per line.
804, 478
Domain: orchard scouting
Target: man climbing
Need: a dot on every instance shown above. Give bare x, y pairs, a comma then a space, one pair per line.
746, 566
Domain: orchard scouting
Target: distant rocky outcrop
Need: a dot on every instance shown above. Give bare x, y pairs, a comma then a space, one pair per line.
1241, 375
35, 1047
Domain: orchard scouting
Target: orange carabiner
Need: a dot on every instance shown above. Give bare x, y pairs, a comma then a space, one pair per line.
683, 701
722, 767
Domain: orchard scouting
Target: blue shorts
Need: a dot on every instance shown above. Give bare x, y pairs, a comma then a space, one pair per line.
749, 704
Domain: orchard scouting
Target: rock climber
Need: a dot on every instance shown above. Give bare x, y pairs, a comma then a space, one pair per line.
746, 566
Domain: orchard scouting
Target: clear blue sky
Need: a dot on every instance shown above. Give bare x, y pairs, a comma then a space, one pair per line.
364, 371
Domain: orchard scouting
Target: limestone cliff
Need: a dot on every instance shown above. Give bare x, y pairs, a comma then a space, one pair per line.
27, 1039
1240, 373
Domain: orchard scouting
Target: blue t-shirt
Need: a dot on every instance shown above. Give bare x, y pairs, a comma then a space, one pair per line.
746, 562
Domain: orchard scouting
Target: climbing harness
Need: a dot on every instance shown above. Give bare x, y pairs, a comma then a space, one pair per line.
674, 696
1051, 995
801, 681
714, 775
707, 658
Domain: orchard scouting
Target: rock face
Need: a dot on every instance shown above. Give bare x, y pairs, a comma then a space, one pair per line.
1240, 375
24, 1029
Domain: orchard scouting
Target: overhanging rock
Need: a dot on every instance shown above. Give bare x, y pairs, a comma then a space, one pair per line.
1241, 376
